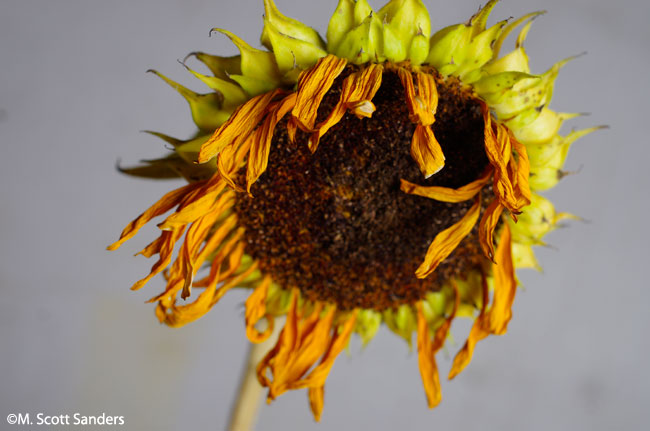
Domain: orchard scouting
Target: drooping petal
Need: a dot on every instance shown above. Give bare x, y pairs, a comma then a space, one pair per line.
340, 339
316, 401
446, 241
256, 310
258, 157
166, 203
427, 361
165, 256
357, 92
427, 350
505, 285
422, 107
240, 124
486, 227
478, 332
446, 194
426, 151
312, 87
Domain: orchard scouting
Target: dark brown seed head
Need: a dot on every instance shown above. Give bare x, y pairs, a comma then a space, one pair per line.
335, 224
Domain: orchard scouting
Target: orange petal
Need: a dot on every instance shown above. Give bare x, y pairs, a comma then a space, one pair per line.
240, 124
486, 227
427, 100
340, 339
261, 145
505, 285
445, 194
281, 355
166, 203
177, 275
357, 91
312, 87
422, 107
446, 241
255, 310
426, 151
230, 160
199, 203
478, 332
181, 315
194, 238
314, 340
312, 343
428, 349
165, 256
316, 401
427, 361
510, 174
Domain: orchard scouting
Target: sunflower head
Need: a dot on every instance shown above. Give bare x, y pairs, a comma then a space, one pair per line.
386, 175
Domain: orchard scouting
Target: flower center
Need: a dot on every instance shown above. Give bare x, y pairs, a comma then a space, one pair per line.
335, 224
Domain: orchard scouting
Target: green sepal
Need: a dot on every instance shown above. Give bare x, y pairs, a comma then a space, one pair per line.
408, 20
522, 34
159, 169
187, 150
537, 127
444, 44
233, 95
401, 321
207, 109
477, 54
291, 53
221, 67
516, 61
535, 222
253, 86
348, 15
547, 161
493, 87
363, 43
367, 325
419, 49
287, 26
478, 22
171, 166
394, 48
255, 63
523, 256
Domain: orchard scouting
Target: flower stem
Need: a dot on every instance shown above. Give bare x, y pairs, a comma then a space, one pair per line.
243, 415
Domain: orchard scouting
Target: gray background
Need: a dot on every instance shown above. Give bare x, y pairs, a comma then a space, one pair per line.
73, 96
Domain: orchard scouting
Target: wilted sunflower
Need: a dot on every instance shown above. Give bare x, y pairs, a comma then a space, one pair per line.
385, 175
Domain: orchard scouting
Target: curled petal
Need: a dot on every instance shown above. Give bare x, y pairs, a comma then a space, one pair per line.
447, 240
445, 194
486, 227
426, 151
505, 285
166, 203
357, 91
256, 310
258, 157
312, 87
240, 124
478, 332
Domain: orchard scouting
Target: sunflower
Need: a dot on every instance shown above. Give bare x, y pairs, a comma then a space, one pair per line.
384, 176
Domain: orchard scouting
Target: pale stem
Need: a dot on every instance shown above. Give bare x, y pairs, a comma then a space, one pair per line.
243, 415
